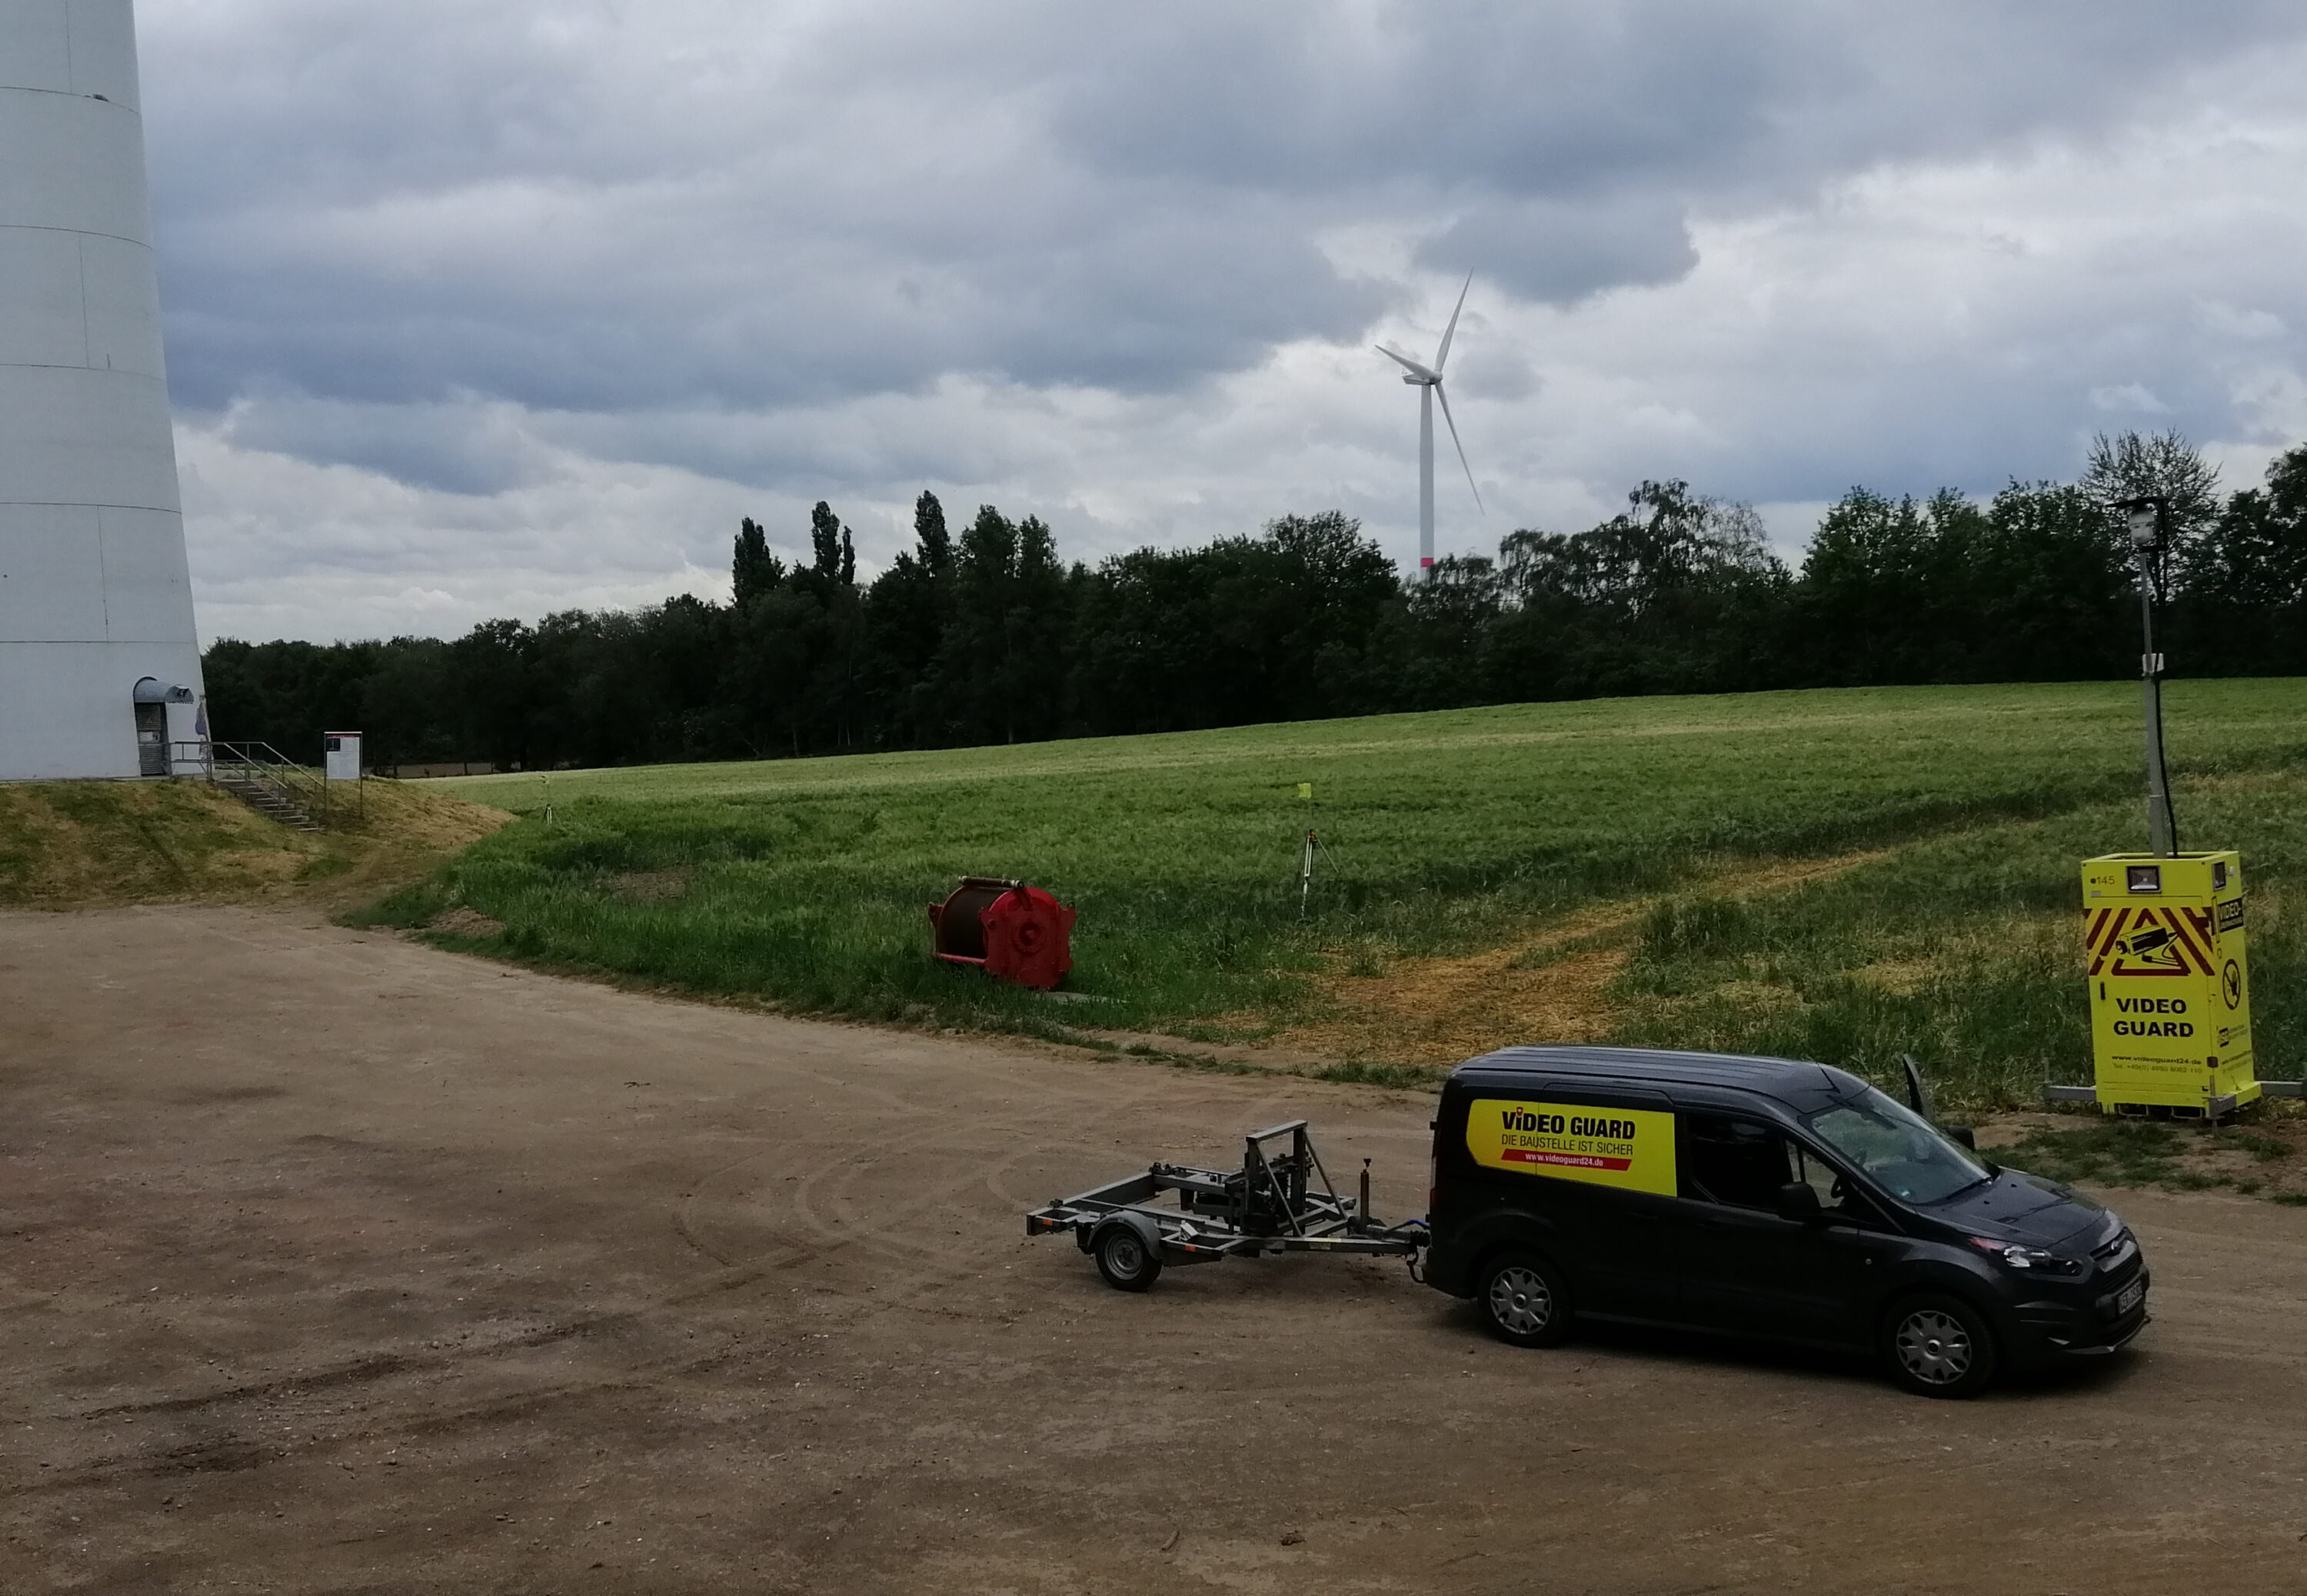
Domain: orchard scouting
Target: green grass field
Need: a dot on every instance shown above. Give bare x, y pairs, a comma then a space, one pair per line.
803, 883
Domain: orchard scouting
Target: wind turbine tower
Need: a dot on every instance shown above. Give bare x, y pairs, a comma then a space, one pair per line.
99, 663
1427, 380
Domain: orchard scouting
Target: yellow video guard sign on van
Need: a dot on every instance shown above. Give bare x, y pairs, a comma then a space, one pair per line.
1630, 1148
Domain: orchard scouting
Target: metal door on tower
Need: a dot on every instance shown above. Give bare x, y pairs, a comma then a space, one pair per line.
152, 740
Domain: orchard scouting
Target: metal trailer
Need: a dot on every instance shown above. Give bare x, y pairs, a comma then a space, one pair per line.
1275, 1202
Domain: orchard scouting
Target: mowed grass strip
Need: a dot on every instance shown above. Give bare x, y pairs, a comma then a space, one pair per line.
81, 844
803, 883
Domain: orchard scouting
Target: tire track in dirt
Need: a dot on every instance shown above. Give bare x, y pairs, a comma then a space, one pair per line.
386, 1366
899, 1233
824, 1212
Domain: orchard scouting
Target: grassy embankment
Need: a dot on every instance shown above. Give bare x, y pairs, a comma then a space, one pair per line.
1842, 875
89, 844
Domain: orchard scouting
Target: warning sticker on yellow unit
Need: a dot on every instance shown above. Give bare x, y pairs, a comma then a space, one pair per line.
1631, 1149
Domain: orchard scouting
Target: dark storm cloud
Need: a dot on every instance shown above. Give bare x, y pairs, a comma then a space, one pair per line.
1700, 97
1560, 250
611, 207
1571, 142
457, 447
647, 303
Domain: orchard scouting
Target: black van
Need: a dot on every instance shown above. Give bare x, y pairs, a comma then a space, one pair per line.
1760, 1198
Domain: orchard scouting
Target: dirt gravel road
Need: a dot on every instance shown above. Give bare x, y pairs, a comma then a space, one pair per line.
329, 1262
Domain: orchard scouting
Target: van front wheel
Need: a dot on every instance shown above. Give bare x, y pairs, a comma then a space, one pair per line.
1939, 1346
1522, 1301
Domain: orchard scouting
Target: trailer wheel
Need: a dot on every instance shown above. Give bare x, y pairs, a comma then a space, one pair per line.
1522, 1300
1125, 1259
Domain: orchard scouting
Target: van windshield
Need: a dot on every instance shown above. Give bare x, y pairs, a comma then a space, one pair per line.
1898, 1149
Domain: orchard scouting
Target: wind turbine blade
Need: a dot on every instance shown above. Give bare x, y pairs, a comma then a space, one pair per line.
1451, 331
1409, 364
1442, 394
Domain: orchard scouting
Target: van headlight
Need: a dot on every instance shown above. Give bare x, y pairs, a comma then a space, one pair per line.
2031, 1261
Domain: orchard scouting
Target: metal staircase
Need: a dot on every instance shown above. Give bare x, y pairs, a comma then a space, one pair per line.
271, 783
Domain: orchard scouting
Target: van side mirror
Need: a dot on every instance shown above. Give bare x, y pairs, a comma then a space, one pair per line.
1798, 1201
1962, 1134
1919, 1095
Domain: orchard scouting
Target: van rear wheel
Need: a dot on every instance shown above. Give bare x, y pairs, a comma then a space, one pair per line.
1939, 1346
1522, 1300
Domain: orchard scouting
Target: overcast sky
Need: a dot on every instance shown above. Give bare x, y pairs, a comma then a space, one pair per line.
493, 307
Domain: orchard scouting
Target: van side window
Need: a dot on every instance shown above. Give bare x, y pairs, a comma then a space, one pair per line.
1742, 1165
1823, 1178
1731, 1161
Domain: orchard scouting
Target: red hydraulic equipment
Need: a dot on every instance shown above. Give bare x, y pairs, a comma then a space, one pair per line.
1011, 931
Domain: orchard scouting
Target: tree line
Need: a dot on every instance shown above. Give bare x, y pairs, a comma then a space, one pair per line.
989, 636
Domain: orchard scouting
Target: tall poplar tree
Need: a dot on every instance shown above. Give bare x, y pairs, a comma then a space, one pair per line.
753, 570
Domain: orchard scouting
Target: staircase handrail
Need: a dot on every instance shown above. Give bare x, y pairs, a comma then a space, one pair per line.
265, 765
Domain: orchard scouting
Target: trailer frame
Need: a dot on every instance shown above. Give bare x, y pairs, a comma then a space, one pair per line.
1277, 1201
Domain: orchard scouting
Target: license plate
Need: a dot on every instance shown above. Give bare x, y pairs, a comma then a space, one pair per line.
2132, 1295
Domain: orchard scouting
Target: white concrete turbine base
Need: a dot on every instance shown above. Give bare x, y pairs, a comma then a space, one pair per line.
95, 589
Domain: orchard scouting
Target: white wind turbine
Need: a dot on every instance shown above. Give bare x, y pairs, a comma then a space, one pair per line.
1427, 380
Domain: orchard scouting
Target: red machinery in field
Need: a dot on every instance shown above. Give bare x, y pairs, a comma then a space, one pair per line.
1009, 930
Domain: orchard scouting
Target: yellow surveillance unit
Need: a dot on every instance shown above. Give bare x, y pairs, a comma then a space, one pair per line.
2164, 946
